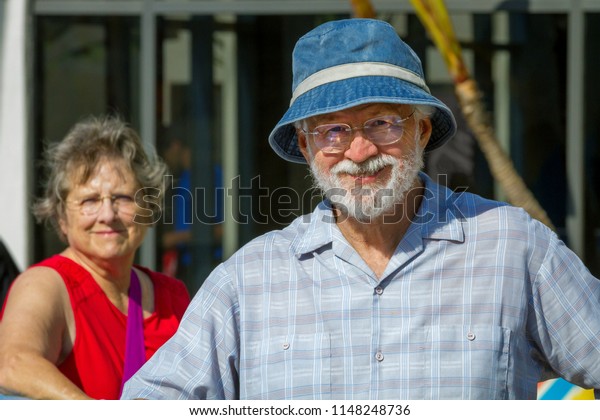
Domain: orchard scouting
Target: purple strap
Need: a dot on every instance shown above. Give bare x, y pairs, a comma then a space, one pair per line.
135, 352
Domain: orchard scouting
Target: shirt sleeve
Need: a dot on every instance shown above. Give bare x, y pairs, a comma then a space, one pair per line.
565, 315
201, 360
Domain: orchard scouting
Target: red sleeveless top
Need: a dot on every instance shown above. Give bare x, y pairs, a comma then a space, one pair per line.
98, 357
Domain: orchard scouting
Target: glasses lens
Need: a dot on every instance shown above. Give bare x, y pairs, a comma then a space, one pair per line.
124, 204
332, 137
384, 130
90, 206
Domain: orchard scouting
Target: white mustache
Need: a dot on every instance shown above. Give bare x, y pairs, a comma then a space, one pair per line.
368, 167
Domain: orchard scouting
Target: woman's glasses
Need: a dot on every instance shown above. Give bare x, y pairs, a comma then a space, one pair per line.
90, 206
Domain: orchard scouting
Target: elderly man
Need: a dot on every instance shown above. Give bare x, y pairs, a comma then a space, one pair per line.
394, 287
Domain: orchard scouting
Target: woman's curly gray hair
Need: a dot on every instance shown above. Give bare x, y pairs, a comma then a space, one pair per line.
77, 156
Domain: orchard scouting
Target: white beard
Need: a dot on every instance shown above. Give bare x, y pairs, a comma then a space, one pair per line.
371, 202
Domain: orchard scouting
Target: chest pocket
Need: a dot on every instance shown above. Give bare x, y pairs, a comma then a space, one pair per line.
288, 367
467, 361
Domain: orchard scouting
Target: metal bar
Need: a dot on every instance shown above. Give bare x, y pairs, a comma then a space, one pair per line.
501, 77
15, 152
230, 145
148, 109
575, 130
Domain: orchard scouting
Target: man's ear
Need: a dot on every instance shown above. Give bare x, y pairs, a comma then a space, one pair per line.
425, 129
303, 145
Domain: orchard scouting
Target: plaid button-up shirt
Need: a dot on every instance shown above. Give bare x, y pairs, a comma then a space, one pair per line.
479, 301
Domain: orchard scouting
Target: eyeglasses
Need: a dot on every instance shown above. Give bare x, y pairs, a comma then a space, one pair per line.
122, 203
336, 138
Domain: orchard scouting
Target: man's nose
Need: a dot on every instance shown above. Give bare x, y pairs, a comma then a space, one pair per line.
361, 148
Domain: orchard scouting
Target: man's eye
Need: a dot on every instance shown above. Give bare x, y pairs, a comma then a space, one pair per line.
333, 131
379, 123
337, 129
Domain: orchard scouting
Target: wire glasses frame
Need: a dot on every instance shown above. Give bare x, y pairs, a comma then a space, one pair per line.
381, 131
121, 203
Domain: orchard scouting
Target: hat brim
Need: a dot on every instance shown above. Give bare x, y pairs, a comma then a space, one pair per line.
340, 95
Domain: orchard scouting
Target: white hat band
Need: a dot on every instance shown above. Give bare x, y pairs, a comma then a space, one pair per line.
350, 70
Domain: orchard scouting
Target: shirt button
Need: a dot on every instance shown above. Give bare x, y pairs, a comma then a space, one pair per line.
470, 336
379, 356
379, 290
286, 346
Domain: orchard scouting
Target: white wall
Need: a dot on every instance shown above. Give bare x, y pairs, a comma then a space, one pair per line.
14, 210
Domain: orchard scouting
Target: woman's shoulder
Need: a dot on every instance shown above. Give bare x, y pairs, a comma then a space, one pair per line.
77, 279
47, 272
38, 286
44, 275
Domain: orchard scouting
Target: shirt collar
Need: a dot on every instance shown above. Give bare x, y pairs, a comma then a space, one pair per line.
440, 215
318, 229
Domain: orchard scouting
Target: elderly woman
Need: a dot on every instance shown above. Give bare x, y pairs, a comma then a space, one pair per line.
78, 324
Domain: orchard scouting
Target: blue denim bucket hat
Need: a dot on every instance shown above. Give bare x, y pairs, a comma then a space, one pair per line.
345, 63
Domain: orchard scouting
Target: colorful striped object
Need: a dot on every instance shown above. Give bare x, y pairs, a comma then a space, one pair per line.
559, 389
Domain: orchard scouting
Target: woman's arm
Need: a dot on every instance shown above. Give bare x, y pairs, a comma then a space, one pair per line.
36, 333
